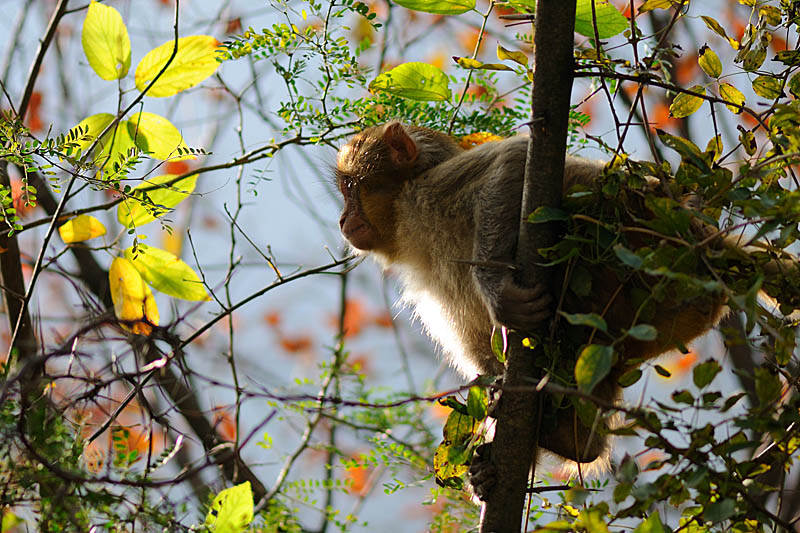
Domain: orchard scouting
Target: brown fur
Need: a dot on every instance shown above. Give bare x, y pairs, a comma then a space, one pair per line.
436, 213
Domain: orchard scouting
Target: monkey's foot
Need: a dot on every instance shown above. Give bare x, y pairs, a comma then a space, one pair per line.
482, 474
523, 309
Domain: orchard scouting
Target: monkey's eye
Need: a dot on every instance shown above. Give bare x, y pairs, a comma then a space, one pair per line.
344, 182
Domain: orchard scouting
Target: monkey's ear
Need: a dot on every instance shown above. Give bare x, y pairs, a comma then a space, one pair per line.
402, 148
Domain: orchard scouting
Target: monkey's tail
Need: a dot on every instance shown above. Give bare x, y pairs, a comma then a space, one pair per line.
778, 269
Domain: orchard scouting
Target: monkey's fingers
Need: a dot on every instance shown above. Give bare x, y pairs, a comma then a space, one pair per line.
523, 309
482, 474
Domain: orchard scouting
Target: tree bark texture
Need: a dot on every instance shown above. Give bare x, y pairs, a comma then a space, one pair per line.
514, 447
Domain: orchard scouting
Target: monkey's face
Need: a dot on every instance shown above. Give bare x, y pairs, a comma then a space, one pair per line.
367, 217
370, 172
355, 226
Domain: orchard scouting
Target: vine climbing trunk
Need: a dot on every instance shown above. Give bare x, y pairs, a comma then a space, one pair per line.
517, 416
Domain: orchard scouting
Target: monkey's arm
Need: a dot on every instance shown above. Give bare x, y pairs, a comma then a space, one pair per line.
497, 218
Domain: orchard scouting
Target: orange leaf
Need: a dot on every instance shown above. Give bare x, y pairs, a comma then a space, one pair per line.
685, 362
354, 318
358, 477
272, 318
297, 344
34, 118
225, 424
383, 320
176, 167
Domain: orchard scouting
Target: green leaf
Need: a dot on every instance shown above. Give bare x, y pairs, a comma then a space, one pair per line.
661, 371
594, 363
523, 6
415, 81
500, 343
719, 510
136, 211
157, 136
683, 396
709, 62
448, 473
589, 319
651, 524
686, 148
790, 58
232, 510
768, 87
771, 14
477, 402
438, 7
628, 257
167, 273
768, 385
114, 145
91, 128
195, 61
517, 57
704, 373
794, 85
105, 42
629, 378
714, 147
685, 104
748, 140
458, 428
546, 213
643, 332
610, 21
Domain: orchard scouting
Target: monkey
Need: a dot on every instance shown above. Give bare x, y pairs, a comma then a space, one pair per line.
444, 218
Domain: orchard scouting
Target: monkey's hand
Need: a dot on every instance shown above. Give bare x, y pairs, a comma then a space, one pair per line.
520, 308
482, 474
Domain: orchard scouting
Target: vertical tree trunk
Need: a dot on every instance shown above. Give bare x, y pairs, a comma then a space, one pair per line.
514, 446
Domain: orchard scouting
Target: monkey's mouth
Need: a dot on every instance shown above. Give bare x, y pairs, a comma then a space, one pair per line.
359, 234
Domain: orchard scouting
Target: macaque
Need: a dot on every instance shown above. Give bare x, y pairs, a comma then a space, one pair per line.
446, 220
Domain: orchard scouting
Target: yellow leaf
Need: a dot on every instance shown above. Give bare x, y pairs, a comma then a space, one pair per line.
709, 62
685, 104
517, 57
105, 42
172, 242
476, 139
650, 5
81, 228
157, 136
232, 510
194, 62
467, 62
133, 299
731, 94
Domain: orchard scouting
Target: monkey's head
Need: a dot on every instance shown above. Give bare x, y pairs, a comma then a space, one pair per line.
370, 170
